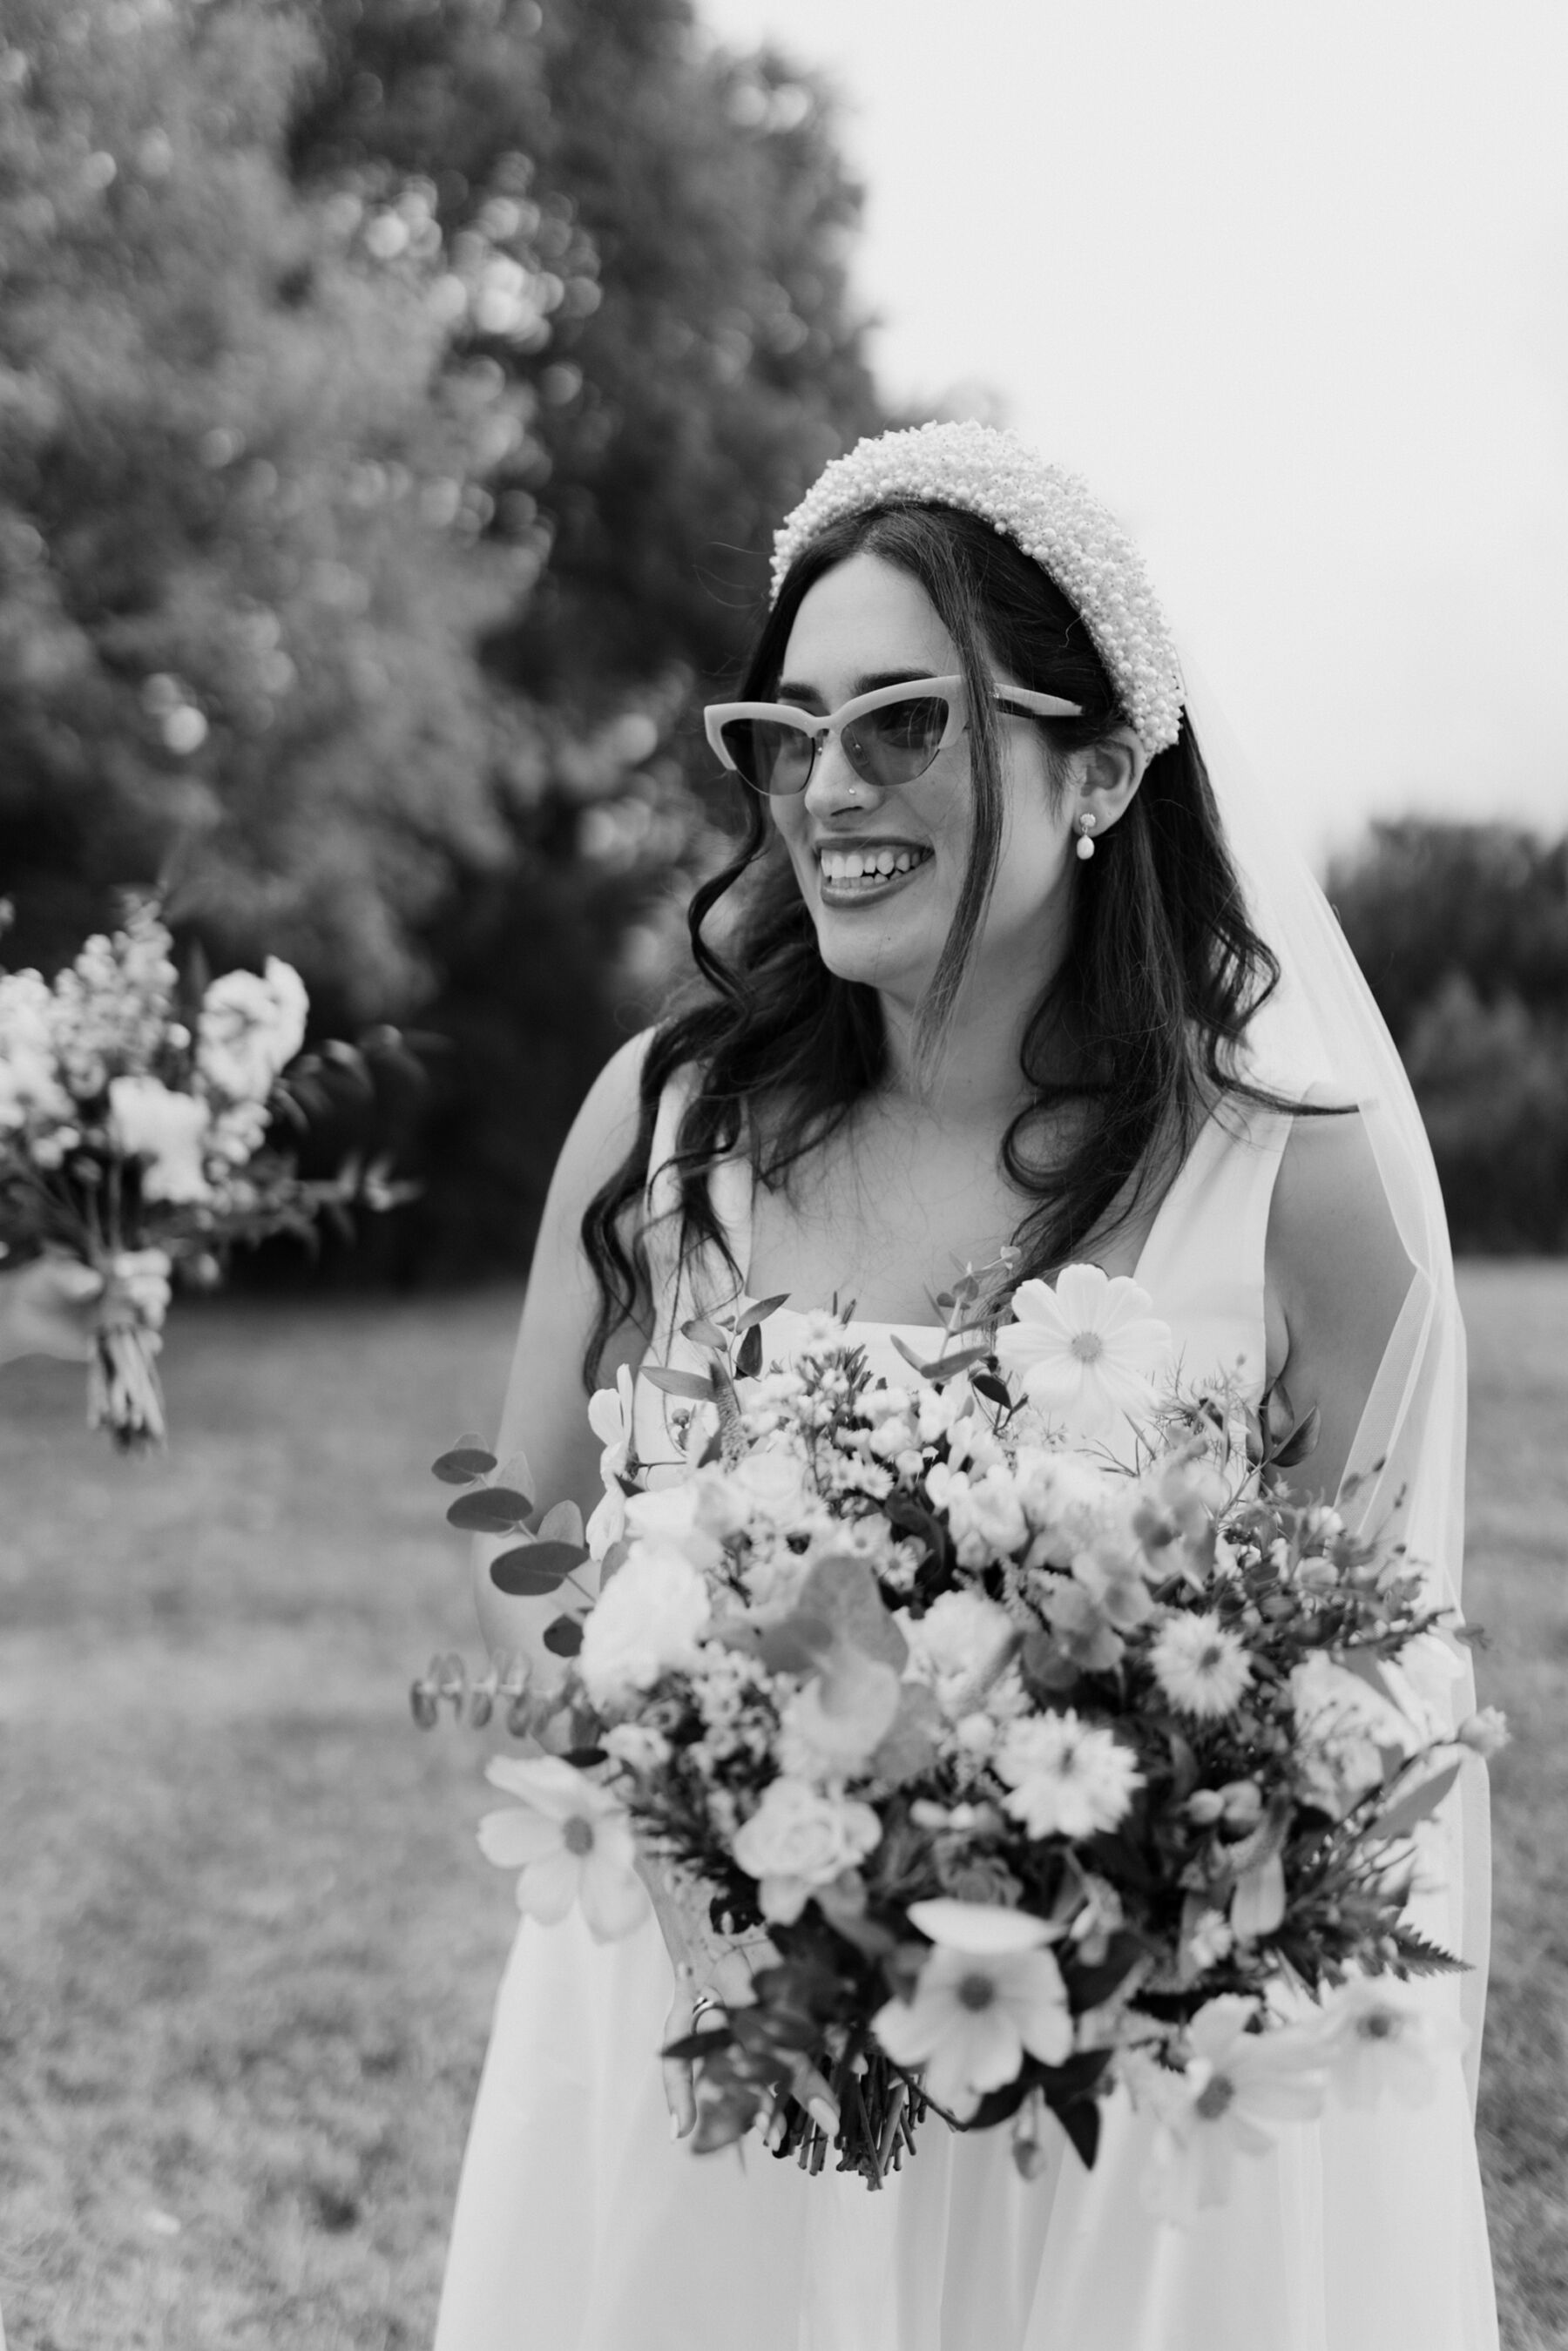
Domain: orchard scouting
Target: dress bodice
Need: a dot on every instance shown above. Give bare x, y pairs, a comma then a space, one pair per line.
1202, 1261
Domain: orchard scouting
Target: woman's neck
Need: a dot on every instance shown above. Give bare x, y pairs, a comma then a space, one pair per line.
977, 1082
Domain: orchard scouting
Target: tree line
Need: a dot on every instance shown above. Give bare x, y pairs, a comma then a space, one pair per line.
396, 397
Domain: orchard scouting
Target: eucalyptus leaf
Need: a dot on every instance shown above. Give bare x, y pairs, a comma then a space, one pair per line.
1417, 1803
842, 1589
946, 1367
797, 1644
697, 1388
466, 1460
489, 1510
563, 1637
516, 1471
759, 1312
562, 1523
1301, 1441
515, 1573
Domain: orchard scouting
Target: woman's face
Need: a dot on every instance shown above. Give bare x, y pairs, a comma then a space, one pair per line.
865, 624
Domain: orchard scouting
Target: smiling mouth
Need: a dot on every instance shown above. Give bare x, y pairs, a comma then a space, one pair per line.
865, 872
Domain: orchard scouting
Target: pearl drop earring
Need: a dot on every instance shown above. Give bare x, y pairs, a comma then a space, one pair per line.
1085, 827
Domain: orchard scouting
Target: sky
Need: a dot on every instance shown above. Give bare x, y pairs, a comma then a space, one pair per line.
1289, 285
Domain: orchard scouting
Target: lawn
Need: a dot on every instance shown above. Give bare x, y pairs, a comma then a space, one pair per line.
249, 1947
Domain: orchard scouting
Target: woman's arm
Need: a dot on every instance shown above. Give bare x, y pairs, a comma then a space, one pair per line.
546, 1411
1338, 1274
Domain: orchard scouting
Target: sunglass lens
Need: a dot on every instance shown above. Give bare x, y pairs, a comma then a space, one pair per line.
769, 755
893, 745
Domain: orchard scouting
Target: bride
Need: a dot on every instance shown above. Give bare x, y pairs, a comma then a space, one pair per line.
995, 963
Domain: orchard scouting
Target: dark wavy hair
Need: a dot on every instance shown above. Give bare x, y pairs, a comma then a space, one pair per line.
1135, 1038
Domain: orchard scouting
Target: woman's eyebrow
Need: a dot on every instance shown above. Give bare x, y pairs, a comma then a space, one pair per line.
791, 690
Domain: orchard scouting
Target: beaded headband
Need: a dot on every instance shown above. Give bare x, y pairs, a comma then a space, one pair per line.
1050, 514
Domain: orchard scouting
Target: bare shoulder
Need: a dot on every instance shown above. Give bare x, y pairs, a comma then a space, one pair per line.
602, 1131
1331, 1234
1338, 1273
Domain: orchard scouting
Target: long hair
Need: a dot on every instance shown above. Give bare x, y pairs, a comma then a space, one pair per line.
1136, 1036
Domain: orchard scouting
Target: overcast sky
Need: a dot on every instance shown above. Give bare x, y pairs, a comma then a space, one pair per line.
1290, 286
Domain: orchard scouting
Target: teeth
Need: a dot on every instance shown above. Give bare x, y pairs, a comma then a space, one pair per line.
845, 865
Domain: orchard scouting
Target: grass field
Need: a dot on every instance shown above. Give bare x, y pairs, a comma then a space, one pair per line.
248, 1947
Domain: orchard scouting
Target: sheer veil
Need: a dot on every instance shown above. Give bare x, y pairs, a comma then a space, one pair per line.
1323, 1034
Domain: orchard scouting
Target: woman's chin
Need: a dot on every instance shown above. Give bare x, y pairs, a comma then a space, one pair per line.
882, 963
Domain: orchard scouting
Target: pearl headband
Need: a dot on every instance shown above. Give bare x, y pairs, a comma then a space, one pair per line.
1050, 514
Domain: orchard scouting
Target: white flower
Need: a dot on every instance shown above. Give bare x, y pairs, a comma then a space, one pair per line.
798, 1839
635, 1744
1200, 1664
1207, 1940
985, 1514
770, 1486
165, 1130
1065, 1499
1485, 1732
1089, 1350
250, 1028
986, 1993
1236, 2087
611, 1416
1068, 1777
238, 1133
984, 1929
955, 1646
1380, 2034
1342, 1723
668, 1513
647, 1619
572, 1843
29, 1078
834, 1725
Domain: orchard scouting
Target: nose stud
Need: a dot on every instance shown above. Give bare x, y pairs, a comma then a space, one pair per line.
1085, 827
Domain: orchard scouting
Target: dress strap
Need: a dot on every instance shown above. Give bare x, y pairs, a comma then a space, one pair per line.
1204, 1261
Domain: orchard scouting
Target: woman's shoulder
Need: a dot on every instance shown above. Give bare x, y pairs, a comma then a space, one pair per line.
1332, 1233
605, 1126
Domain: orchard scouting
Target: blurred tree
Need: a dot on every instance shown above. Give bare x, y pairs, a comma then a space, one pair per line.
1462, 932
679, 219
653, 236
240, 508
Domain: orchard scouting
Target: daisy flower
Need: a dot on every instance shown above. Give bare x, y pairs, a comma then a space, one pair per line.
1089, 1350
570, 1841
1235, 2088
1201, 1665
988, 1993
1068, 1777
1379, 2034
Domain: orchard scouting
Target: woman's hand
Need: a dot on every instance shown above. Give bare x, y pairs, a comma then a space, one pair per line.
726, 1985
50, 1308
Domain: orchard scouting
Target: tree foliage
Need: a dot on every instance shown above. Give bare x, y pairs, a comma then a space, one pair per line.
1462, 932
238, 591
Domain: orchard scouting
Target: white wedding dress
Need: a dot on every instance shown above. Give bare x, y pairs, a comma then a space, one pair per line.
582, 2227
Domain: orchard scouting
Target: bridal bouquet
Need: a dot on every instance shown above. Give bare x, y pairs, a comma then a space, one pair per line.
135, 1136
1025, 1769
